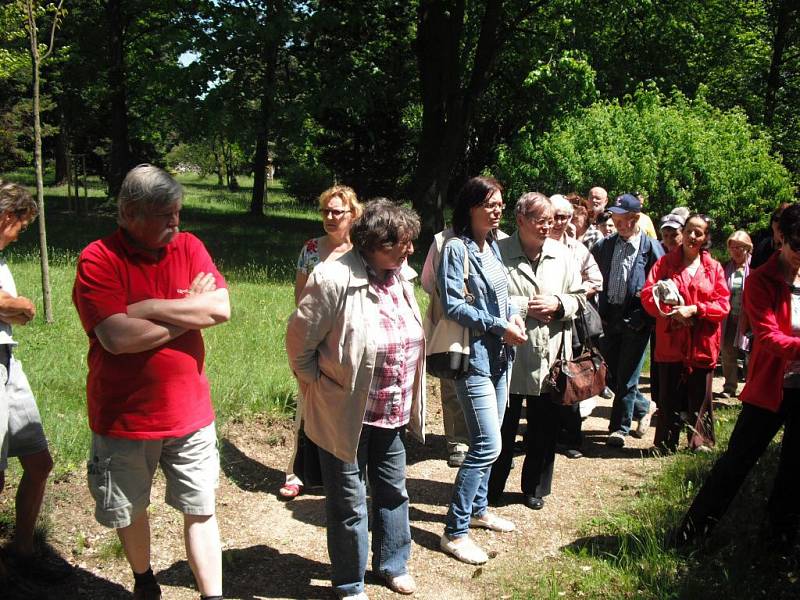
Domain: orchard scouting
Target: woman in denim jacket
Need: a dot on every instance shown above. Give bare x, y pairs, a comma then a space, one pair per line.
483, 393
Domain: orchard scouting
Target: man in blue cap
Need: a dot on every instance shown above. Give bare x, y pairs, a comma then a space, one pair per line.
625, 259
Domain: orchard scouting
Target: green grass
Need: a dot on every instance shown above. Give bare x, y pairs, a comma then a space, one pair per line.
245, 360
624, 555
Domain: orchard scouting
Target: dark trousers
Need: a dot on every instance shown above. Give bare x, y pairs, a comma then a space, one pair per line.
570, 424
540, 450
687, 392
753, 432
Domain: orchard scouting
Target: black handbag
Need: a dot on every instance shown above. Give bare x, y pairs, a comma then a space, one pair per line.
588, 325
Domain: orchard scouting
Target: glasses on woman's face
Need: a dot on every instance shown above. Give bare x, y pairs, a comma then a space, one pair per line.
334, 213
539, 221
561, 218
492, 206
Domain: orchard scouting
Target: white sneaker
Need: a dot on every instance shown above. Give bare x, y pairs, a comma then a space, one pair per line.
493, 522
616, 439
642, 427
463, 549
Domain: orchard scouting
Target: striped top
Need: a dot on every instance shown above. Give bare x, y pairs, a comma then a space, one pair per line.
497, 276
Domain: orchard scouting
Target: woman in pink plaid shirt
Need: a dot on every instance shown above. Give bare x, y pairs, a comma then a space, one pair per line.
356, 345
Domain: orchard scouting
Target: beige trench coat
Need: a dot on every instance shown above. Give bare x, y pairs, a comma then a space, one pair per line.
332, 353
557, 274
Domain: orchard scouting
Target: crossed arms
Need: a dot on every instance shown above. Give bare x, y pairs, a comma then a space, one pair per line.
15, 310
151, 323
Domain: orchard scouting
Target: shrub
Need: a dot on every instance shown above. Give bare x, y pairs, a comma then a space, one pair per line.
675, 150
305, 182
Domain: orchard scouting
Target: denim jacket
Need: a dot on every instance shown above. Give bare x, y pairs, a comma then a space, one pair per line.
650, 251
488, 354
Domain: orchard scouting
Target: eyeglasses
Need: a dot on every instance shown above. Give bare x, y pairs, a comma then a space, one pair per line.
562, 218
333, 212
541, 221
490, 206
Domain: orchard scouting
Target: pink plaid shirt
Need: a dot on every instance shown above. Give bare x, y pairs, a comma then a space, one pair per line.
400, 341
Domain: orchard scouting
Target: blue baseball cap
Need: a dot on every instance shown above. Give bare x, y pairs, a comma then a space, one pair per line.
626, 203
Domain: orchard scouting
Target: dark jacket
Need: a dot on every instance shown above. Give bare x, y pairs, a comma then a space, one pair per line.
650, 251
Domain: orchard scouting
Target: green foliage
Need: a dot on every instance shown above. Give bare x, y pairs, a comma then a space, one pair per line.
676, 150
306, 181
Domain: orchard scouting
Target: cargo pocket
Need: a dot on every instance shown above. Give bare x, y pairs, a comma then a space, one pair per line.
105, 492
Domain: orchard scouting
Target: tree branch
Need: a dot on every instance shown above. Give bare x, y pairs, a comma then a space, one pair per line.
53, 28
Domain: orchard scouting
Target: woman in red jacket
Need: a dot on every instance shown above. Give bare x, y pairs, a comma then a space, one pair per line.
687, 337
770, 398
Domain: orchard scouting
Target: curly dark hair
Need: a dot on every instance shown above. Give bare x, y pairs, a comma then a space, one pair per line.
383, 223
474, 193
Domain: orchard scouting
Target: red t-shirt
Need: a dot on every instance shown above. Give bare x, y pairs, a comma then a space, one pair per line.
155, 394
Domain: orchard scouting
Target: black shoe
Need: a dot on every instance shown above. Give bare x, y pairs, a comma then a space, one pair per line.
45, 567
147, 591
573, 453
456, 459
533, 502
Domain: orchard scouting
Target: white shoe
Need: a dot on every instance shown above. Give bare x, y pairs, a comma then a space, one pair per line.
359, 596
616, 439
463, 549
642, 426
493, 522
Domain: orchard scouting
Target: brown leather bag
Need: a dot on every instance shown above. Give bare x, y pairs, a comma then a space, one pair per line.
579, 379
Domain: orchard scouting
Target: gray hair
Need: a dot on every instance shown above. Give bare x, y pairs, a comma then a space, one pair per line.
681, 211
16, 200
145, 188
561, 204
532, 202
383, 223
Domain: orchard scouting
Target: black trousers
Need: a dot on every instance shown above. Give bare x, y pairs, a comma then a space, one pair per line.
540, 450
753, 432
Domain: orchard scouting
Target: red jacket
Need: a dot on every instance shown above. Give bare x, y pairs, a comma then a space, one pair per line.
768, 304
698, 345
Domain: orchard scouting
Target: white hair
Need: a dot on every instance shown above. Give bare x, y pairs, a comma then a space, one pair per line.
561, 204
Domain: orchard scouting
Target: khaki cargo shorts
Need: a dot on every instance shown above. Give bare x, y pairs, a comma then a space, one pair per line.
120, 473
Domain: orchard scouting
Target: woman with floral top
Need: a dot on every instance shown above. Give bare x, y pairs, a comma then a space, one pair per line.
339, 207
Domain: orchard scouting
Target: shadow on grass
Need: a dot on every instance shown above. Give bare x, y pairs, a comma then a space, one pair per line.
261, 572
736, 561
247, 473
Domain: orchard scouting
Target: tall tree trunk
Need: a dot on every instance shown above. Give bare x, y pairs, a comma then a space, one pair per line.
37, 162
448, 103
273, 38
784, 15
61, 150
120, 160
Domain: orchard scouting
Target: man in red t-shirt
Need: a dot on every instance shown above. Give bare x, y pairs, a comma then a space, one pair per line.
143, 294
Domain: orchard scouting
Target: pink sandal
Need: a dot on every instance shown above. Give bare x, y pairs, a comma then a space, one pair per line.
290, 490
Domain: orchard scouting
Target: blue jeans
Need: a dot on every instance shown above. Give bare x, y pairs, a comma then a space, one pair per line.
382, 457
624, 352
483, 400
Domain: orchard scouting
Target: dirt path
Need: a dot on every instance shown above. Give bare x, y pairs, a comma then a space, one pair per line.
274, 549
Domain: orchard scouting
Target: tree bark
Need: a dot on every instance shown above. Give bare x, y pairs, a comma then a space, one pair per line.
784, 16
37, 159
448, 102
120, 159
61, 149
273, 38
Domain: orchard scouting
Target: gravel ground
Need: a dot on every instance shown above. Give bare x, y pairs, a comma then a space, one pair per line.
275, 549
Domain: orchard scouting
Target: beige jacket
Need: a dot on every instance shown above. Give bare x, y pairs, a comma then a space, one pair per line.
557, 274
332, 353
